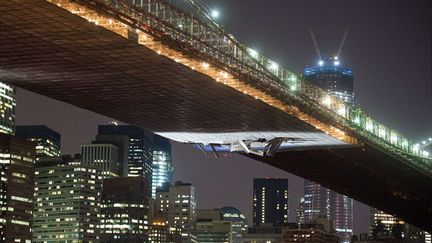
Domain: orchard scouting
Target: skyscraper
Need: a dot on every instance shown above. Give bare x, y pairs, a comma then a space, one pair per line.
47, 140
7, 109
317, 202
103, 156
140, 147
238, 223
16, 188
270, 201
178, 201
68, 195
162, 163
320, 201
125, 210
332, 77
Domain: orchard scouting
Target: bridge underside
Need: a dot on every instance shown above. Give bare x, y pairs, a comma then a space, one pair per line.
47, 50
364, 174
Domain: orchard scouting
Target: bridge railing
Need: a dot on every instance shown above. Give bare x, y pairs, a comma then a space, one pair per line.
205, 39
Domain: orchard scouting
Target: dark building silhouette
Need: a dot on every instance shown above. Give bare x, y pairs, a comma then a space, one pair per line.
270, 201
16, 189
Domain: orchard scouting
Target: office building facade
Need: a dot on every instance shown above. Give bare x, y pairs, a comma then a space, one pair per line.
311, 232
47, 141
7, 108
67, 201
179, 203
211, 227
265, 233
125, 210
238, 222
103, 156
159, 229
270, 201
162, 163
140, 152
17, 158
122, 143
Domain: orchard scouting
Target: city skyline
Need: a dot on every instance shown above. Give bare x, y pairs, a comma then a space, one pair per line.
239, 157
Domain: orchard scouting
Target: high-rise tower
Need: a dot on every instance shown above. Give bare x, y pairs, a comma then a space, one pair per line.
270, 201
319, 201
162, 163
140, 147
7, 109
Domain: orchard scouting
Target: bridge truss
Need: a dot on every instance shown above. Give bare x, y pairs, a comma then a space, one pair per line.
194, 40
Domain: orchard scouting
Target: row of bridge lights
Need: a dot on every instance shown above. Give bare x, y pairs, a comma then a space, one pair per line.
424, 143
273, 66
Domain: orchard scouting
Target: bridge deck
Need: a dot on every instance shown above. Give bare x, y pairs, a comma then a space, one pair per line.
62, 56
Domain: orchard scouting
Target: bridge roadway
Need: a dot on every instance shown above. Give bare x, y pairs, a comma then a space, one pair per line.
47, 50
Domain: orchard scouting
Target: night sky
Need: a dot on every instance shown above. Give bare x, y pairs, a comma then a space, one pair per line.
388, 47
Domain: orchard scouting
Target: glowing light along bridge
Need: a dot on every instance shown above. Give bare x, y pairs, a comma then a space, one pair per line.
183, 41
223, 58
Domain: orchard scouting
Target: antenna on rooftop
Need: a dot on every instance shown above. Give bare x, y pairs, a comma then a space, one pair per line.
342, 43
315, 44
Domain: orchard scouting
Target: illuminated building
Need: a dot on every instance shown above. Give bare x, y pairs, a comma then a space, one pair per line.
67, 201
270, 201
122, 143
310, 232
7, 109
140, 147
385, 219
162, 163
316, 201
212, 228
125, 210
322, 202
238, 223
17, 158
265, 233
342, 216
300, 212
409, 232
178, 201
159, 232
103, 156
332, 77
47, 140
